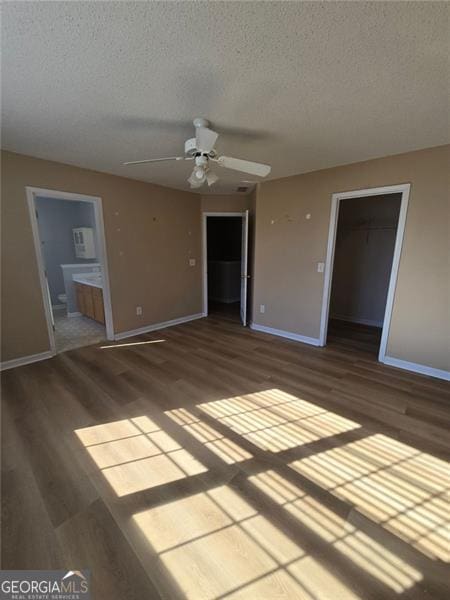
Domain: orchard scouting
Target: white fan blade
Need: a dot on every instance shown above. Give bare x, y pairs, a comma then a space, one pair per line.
246, 166
150, 160
205, 139
211, 178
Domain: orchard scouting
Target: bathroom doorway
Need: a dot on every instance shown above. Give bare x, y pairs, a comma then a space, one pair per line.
70, 250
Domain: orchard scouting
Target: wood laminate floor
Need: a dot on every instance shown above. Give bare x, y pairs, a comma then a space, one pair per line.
355, 336
226, 311
207, 461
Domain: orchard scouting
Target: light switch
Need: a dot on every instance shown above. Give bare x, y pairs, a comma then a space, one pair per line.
262, 308
192, 262
320, 267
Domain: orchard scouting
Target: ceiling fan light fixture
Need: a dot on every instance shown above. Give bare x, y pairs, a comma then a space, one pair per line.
211, 178
197, 177
195, 183
199, 173
201, 150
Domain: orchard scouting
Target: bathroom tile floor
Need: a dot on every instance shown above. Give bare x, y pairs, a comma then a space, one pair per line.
75, 332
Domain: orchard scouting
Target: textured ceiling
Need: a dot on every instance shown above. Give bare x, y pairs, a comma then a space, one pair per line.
298, 85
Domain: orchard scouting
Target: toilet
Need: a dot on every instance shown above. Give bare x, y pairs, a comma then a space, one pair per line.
62, 298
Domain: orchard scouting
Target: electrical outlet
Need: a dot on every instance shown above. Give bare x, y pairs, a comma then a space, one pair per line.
192, 262
138, 311
262, 308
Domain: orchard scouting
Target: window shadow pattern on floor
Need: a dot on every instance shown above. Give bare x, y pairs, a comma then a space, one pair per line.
270, 495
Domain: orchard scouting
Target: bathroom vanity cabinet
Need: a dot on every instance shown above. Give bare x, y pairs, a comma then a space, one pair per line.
90, 301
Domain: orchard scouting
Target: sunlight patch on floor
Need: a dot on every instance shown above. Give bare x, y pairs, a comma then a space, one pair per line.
275, 421
365, 552
136, 454
395, 485
222, 447
215, 544
131, 344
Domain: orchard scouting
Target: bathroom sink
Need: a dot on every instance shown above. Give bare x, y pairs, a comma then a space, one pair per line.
94, 279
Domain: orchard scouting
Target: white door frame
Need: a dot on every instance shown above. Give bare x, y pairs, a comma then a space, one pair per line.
335, 202
205, 216
244, 269
32, 193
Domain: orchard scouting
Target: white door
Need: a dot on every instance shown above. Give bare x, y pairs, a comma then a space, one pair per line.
244, 268
49, 300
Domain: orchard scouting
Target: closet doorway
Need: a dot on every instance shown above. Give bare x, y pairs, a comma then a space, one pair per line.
364, 247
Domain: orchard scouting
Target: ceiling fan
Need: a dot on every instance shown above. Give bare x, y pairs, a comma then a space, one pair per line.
201, 150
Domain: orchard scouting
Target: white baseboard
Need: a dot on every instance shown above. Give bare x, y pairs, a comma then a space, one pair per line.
416, 368
25, 360
126, 334
286, 334
74, 314
357, 320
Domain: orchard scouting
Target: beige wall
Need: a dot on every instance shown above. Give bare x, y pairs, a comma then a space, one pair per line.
287, 251
151, 232
226, 203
